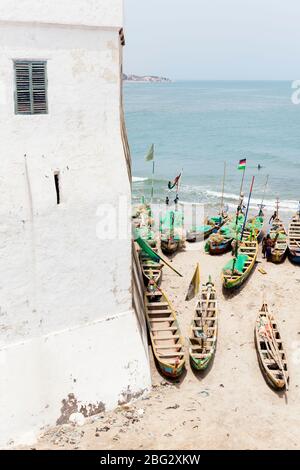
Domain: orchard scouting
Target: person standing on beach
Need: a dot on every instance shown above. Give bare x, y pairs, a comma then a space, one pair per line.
267, 246
273, 217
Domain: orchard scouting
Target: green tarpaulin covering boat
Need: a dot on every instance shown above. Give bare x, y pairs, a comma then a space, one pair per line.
172, 235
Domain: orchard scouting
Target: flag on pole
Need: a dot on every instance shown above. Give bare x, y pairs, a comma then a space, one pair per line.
242, 164
172, 184
194, 285
150, 154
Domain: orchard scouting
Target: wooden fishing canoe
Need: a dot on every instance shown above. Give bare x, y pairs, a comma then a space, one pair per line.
233, 279
150, 269
279, 251
204, 328
169, 245
212, 226
254, 231
271, 354
193, 236
221, 243
294, 239
172, 233
167, 342
219, 248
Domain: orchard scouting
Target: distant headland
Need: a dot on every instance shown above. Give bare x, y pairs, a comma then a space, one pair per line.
145, 78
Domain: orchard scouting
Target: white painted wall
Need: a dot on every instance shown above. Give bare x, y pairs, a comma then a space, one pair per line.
59, 283
98, 364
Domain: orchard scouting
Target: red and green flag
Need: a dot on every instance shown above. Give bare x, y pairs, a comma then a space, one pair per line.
172, 184
242, 164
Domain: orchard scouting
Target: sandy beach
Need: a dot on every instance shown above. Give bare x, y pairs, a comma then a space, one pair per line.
230, 406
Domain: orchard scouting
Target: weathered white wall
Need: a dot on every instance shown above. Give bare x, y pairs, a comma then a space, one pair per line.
65, 295
80, 137
104, 13
87, 369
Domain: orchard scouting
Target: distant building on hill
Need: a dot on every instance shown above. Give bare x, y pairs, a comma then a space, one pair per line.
70, 340
145, 78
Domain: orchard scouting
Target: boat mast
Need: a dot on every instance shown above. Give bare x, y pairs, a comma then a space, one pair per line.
242, 183
152, 180
248, 205
264, 195
277, 208
177, 190
223, 188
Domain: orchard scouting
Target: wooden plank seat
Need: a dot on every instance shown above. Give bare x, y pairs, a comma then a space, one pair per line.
161, 320
169, 328
157, 304
158, 312
200, 356
171, 354
165, 338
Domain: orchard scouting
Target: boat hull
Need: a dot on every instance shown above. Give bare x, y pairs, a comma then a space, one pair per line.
235, 284
220, 249
294, 257
169, 247
171, 372
294, 239
279, 251
204, 329
193, 237
278, 258
146, 279
272, 359
276, 384
166, 339
230, 284
199, 364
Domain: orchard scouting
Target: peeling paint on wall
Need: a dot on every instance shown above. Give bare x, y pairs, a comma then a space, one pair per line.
128, 396
70, 405
92, 409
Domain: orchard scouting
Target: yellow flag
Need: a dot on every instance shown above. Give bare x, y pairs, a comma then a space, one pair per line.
194, 286
150, 155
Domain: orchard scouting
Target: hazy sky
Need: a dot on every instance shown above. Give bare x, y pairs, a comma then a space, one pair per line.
213, 39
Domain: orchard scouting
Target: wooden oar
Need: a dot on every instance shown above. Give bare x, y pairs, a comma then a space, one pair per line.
169, 266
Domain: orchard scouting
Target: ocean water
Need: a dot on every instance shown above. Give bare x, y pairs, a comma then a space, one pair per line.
197, 126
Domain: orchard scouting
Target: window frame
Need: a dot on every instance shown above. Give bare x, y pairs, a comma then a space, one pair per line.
31, 90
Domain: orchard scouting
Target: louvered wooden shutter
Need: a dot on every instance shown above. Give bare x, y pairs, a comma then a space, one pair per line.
39, 92
31, 87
